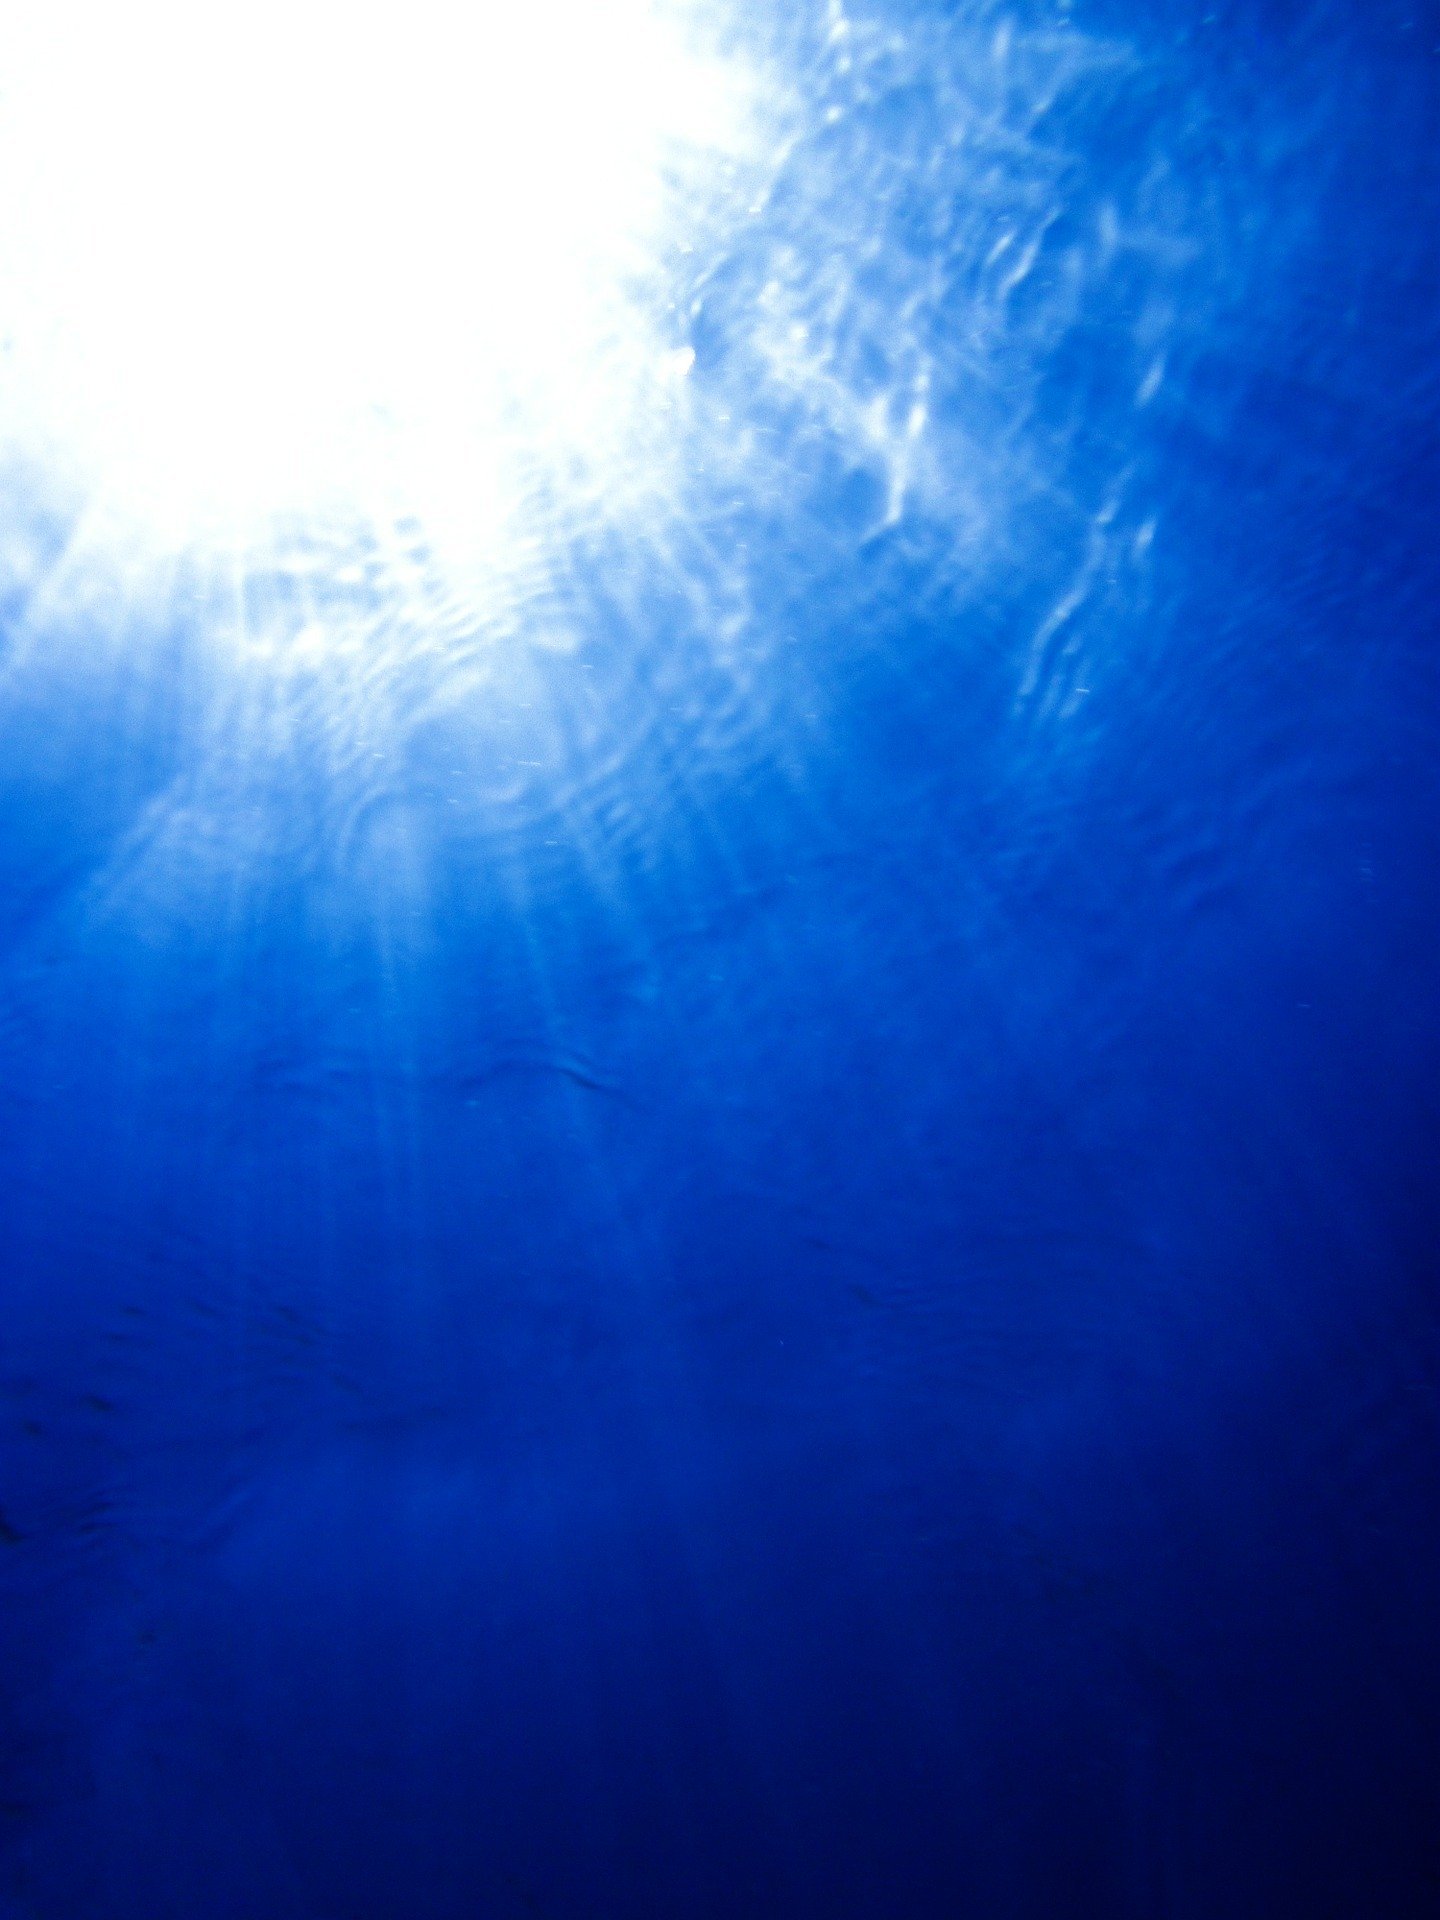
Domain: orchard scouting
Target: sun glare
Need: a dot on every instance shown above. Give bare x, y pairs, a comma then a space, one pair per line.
385, 262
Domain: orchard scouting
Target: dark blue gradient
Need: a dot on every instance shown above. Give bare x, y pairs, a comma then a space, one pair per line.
816, 1296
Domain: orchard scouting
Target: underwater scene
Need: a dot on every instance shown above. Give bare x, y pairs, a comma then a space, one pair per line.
720, 960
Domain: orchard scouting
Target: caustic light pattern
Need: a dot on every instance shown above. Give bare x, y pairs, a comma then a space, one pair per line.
411, 299
719, 798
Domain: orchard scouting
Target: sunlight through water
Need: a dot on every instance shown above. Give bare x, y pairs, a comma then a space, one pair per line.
538, 364
358, 267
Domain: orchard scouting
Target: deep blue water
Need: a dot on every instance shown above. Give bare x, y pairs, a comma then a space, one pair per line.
785, 1263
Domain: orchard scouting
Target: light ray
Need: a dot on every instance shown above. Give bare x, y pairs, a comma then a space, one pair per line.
353, 267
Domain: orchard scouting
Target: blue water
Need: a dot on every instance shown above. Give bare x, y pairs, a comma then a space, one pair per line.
780, 1257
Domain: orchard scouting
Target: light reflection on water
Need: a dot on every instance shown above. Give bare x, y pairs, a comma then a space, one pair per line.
687, 1166
856, 322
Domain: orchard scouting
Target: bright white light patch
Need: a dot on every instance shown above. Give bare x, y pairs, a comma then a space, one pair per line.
393, 261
